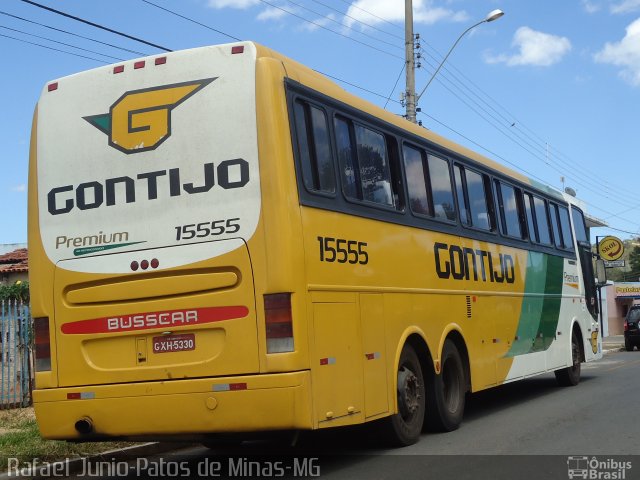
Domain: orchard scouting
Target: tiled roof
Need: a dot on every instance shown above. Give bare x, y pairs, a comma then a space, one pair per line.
15, 262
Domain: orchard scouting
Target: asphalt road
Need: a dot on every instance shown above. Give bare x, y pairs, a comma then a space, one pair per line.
528, 429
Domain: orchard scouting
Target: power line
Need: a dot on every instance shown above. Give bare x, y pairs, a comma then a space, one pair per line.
327, 17
61, 43
394, 85
372, 14
191, 20
71, 33
359, 21
102, 27
51, 48
328, 29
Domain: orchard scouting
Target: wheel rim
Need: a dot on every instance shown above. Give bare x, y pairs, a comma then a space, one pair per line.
408, 394
451, 383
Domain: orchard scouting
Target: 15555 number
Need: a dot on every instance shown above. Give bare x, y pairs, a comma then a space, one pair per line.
206, 229
343, 251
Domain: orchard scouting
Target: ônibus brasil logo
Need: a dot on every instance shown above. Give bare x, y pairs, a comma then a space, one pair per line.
140, 120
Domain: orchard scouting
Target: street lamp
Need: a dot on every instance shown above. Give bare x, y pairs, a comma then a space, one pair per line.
493, 15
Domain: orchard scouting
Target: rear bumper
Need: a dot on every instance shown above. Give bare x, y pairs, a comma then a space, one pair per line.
633, 337
178, 408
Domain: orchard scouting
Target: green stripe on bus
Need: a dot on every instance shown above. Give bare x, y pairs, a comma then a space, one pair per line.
539, 313
100, 248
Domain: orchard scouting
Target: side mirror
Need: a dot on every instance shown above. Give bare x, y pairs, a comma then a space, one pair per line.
601, 273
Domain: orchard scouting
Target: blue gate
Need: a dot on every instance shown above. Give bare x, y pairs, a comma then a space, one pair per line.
15, 355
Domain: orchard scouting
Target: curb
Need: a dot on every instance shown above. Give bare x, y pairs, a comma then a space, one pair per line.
72, 465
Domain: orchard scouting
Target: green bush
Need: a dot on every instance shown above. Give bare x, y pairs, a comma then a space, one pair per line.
17, 291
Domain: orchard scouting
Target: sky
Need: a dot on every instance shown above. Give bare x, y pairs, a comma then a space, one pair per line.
551, 89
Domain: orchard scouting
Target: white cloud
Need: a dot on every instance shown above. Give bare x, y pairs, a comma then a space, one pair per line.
271, 14
19, 188
241, 4
590, 6
625, 54
626, 6
535, 48
377, 11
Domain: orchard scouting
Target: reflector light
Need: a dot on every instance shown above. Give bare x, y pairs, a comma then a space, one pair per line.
155, 263
42, 344
118, 69
52, 86
237, 49
229, 387
278, 322
144, 264
134, 266
81, 396
139, 64
161, 60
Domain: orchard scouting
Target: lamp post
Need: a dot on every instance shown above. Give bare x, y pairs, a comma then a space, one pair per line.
493, 15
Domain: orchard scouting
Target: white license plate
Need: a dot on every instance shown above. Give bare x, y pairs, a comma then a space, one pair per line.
174, 343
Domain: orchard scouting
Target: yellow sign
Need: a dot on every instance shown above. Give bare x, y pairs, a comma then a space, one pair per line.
610, 248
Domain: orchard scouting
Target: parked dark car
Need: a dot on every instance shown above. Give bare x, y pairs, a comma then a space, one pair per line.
632, 328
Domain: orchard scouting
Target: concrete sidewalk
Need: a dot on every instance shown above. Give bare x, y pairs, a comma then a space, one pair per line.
612, 343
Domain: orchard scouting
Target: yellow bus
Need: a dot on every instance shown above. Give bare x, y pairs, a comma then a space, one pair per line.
222, 240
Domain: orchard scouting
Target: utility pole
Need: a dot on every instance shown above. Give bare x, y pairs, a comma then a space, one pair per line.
410, 93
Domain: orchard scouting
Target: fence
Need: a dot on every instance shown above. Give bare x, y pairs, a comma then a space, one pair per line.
15, 355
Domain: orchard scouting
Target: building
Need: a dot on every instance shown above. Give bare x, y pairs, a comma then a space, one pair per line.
14, 266
619, 297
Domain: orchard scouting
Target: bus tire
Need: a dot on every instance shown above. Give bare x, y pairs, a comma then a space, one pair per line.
446, 392
570, 376
404, 427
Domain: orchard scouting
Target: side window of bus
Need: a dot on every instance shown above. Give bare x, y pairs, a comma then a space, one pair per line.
542, 221
579, 225
429, 188
314, 148
416, 180
531, 224
509, 209
440, 182
479, 200
565, 224
375, 174
348, 172
474, 198
557, 236
365, 164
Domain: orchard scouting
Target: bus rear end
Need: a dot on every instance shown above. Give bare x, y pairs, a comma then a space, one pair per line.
144, 200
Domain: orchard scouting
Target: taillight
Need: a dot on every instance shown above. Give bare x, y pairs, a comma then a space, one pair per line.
626, 326
279, 322
42, 344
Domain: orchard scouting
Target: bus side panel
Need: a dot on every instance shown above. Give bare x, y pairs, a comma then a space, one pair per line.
337, 369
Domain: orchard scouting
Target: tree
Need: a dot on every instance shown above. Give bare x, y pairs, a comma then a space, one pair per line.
634, 261
18, 291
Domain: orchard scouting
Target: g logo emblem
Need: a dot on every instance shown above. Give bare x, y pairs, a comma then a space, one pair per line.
140, 120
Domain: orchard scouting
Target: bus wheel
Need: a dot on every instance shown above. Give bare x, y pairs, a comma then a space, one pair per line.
446, 392
570, 376
404, 427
